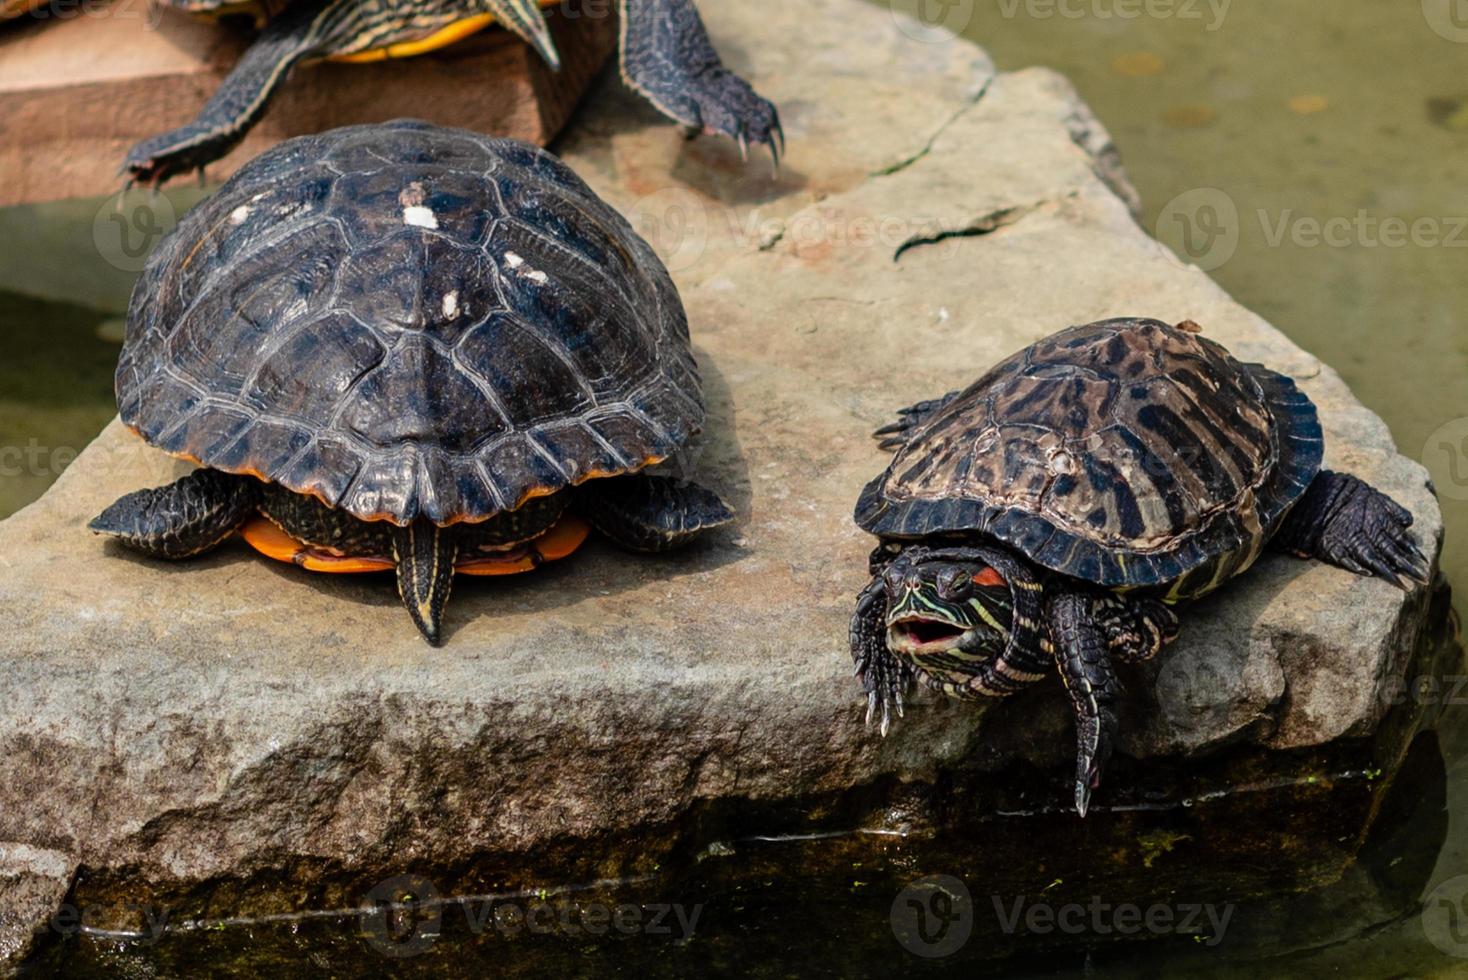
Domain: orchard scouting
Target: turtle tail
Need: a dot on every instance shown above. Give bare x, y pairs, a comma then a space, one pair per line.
425, 554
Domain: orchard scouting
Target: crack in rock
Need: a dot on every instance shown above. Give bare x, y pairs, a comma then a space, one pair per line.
985, 224
906, 162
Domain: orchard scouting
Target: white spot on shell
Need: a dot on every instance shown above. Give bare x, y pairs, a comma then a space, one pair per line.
420, 217
537, 276
513, 261
239, 214
450, 305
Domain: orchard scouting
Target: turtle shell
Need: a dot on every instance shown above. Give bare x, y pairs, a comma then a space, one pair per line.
404, 320
1125, 453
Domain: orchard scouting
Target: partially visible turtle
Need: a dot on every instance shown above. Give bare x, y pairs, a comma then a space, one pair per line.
11, 9
666, 56
1052, 513
411, 348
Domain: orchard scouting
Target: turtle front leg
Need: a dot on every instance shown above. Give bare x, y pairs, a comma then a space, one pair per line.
667, 56
895, 435
185, 518
651, 513
1352, 525
308, 27
883, 677
1083, 654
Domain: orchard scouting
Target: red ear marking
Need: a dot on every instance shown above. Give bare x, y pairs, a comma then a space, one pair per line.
989, 577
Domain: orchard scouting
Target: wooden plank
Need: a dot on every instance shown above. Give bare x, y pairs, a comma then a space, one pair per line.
76, 93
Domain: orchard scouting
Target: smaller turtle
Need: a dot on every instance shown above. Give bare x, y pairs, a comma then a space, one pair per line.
409, 349
665, 50
1052, 514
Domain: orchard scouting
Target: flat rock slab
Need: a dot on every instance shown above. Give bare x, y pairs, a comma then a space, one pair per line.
167, 725
78, 89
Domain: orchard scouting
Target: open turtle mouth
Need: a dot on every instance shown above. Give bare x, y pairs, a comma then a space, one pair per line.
923, 634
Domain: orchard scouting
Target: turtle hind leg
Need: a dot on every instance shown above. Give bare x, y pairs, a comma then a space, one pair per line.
1350, 524
1082, 651
668, 58
304, 29
424, 554
651, 513
187, 517
894, 435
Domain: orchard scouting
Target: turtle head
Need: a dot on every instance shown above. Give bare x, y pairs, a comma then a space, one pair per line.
944, 604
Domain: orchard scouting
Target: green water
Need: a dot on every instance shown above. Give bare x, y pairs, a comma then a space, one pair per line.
1248, 132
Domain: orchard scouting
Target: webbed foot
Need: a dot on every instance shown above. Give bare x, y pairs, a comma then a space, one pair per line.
651, 513
185, 518
883, 677
1084, 658
667, 56
894, 435
1348, 523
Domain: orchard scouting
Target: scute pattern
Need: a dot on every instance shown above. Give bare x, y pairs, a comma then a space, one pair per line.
1125, 452
405, 320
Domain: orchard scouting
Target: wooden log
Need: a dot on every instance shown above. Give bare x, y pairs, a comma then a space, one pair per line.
78, 88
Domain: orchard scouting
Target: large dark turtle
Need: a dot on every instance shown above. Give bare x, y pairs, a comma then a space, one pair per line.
1052, 513
666, 56
407, 347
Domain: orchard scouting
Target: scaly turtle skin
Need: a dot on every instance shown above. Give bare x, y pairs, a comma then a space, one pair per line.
1053, 513
665, 51
411, 348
